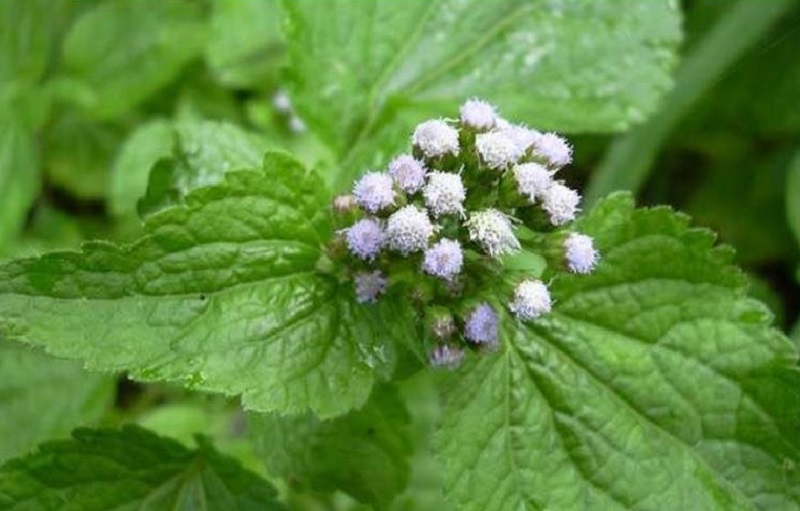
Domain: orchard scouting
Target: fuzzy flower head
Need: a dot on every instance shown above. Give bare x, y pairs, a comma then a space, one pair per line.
444, 194
522, 136
374, 192
531, 300
446, 356
365, 239
561, 203
444, 259
408, 173
435, 138
579, 253
533, 180
497, 150
555, 150
482, 325
478, 114
369, 286
408, 230
491, 229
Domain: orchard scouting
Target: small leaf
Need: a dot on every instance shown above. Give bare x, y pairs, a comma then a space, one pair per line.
364, 453
355, 67
221, 294
656, 383
130, 468
125, 52
42, 398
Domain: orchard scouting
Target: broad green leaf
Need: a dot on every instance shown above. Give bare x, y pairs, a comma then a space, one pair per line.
630, 158
793, 197
125, 50
130, 468
19, 173
27, 35
146, 145
201, 155
555, 65
364, 453
656, 383
43, 398
220, 294
245, 47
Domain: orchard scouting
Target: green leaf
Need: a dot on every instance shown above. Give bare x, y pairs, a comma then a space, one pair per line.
555, 65
656, 383
793, 197
202, 153
146, 145
27, 35
130, 468
42, 398
125, 50
245, 47
221, 294
364, 453
19, 173
630, 158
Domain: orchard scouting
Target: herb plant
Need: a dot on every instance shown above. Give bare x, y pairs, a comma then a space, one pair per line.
335, 255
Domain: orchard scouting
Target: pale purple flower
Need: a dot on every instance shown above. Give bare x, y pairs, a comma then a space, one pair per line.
531, 300
444, 194
579, 253
555, 150
482, 325
369, 286
561, 203
478, 114
374, 191
533, 180
435, 138
444, 259
522, 136
491, 229
408, 173
446, 356
497, 150
365, 238
408, 230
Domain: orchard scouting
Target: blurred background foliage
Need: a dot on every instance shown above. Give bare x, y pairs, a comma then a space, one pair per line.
94, 94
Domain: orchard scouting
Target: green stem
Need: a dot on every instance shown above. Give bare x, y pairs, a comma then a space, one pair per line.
630, 158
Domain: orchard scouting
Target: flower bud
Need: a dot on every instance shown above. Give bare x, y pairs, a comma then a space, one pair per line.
482, 325
580, 256
446, 356
533, 180
554, 150
478, 114
435, 138
561, 204
344, 204
531, 300
365, 239
522, 137
408, 173
440, 323
369, 286
444, 259
374, 192
497, 150
491, 229
408, 230
444, 194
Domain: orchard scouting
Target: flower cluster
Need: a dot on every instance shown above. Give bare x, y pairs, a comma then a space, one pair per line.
438, 225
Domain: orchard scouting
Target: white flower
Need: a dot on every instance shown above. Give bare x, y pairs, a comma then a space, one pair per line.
555, 150
446, 356
482, 325
497, 150
435, 138
531, 300
478, 114
408, 173
281, 101
408, 230
444, 259
580, 254
374, 191
561, 203
533, 180
444, 194
365, 239
344, 203
369, 286
522, 136
296, 124
491, 229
